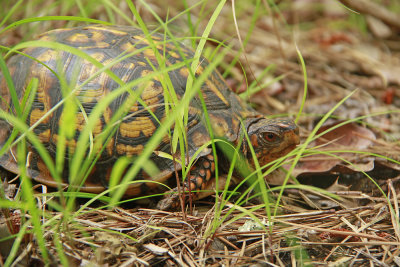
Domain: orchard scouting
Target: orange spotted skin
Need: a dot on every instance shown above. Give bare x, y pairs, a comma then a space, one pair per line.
201, 173
129, 55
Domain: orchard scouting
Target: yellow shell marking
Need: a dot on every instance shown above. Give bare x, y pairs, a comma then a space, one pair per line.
78, 38
215, 90
142, 39
151, 93
110, 146
151, 90
36, 115
170, 45
132, 107
46, 38
185, 72
44, 137
107, 115
199, 70
98, 36
100, 28
110, 63
48, 55
81, 123
129, 150
91, 95
149, 53
71, 144
128, 47
141, 124
173, 54
155, 38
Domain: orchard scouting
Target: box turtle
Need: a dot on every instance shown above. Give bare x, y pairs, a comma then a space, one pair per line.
129, 54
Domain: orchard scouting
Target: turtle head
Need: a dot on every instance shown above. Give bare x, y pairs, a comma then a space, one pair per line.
270, 138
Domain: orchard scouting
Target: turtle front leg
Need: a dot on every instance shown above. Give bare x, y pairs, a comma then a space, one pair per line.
198, 179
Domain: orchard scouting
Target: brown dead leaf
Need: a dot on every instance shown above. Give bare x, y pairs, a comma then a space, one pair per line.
348, 169
349, 135
346, 137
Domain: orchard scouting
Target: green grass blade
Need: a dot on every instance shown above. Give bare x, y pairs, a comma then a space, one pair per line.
305, 90
27, 192
11, 12
10, 85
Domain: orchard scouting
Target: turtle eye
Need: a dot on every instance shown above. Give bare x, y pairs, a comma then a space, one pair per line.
270, 136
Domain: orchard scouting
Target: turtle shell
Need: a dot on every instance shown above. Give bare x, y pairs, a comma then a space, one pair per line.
119, 56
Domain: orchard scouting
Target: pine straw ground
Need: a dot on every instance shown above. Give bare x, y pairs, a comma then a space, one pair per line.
344, 236
359, 230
